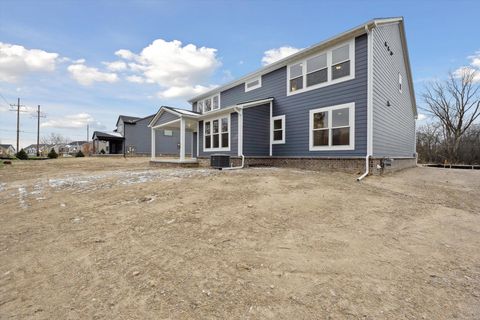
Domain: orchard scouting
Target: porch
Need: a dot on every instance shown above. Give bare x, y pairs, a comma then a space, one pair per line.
176, 120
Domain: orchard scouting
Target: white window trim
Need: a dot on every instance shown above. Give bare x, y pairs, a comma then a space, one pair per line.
351, 119
220, 133
329, 69
282, 117
400, 82
203, 103
259, 85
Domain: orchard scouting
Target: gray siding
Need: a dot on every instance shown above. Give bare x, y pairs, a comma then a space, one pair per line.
256, 131
393, 126
296, 107
233, 138
139, 136
165, 117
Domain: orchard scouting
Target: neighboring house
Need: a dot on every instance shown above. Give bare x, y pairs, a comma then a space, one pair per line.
31, 150
342, 103
73, 147
7, 150
132, 137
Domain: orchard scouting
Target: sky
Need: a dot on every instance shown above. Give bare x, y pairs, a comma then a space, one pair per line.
86, 62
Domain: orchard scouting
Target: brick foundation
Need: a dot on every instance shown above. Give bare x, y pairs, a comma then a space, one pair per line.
351, 165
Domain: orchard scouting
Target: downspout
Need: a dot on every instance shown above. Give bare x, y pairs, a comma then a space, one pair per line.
240, 136
368, 29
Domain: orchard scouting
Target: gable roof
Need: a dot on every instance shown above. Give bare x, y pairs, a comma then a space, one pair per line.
357, 31
176, 111
6, 146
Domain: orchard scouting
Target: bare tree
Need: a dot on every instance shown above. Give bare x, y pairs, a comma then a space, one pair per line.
54, 139
455, 102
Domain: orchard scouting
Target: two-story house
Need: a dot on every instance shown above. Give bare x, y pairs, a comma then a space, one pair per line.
347, 103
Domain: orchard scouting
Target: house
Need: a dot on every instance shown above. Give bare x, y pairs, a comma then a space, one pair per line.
347, 103
7, 150
132, 137
44, 149
72, 148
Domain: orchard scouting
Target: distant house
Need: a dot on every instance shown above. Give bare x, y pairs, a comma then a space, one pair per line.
6, 150
132, 137
347, 102
72, 147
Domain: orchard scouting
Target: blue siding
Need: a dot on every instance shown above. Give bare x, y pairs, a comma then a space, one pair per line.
256, 131
165, 117
139, 136
233, 138
296, 107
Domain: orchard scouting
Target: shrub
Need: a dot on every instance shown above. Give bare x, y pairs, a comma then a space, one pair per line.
22, 155
102, 151
79, 154
52, 154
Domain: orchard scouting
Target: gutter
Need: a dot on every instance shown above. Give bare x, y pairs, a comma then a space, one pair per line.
368, 29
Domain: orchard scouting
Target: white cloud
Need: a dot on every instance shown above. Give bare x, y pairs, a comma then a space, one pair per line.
421, 117
16, 61
74, 121
475, 60
474, 67
88, 75
116, 66
135, 79
125, 54
466, 70
179, 70
184, 91
273, 55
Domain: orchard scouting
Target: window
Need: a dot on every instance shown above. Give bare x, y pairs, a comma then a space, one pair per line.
200, 106
400, 83
253, 84
329, 67
341, 62
278, 129
209, 104
216, 134
168, 133
296, 77
332, 128
317, 71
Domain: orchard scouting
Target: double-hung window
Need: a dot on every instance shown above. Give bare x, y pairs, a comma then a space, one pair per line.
322, 69
332, 128
278, 129
341, 62
216, 134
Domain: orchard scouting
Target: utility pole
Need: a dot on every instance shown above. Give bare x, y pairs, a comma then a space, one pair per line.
38, 116
88, 135
18, 106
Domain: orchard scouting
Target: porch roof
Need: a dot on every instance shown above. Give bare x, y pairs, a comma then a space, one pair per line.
99, 135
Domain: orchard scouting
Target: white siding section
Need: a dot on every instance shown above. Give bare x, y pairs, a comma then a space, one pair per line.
394, 125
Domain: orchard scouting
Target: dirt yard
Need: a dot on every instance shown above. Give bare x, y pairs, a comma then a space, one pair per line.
116, 239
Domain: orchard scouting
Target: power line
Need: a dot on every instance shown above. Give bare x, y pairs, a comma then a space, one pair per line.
8, 104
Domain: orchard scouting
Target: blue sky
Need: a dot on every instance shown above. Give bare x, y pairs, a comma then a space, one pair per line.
59, 54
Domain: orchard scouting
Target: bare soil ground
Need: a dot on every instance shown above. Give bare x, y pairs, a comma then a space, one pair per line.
115, 239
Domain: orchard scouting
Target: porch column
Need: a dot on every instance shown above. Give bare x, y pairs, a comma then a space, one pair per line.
182, 139
153, 145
